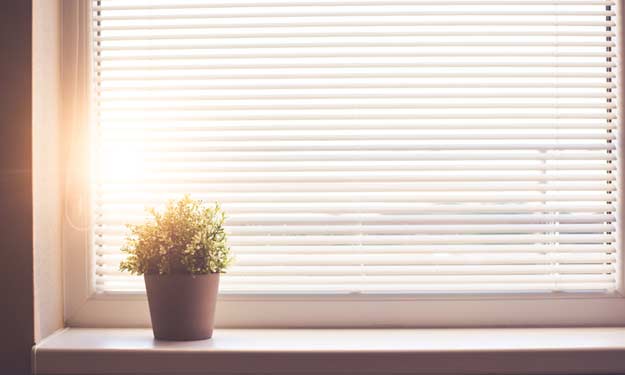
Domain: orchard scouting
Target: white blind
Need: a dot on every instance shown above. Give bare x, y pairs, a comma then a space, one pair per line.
366, 145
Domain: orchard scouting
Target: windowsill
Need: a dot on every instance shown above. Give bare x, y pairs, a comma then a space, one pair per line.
369, 351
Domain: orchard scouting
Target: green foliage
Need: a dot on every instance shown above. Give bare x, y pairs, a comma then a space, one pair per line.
187, 238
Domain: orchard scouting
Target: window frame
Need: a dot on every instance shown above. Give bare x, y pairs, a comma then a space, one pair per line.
86, 308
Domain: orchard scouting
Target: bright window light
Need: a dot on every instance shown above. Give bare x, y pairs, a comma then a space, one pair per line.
366, 146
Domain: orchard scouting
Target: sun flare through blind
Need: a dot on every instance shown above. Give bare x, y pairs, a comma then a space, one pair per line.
366, 145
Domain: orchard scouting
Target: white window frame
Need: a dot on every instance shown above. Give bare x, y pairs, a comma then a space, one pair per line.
86, 308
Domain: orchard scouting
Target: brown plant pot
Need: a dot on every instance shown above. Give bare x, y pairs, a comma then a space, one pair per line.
182, 307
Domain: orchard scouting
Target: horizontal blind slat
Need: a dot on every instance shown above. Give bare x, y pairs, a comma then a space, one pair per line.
335, 12
110, 274
213, 35
342, 53
282, 230
446, 220
270, 4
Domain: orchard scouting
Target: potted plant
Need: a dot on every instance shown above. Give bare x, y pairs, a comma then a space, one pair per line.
180, 252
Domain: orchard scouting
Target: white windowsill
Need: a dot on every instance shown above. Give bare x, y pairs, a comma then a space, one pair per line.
328, 351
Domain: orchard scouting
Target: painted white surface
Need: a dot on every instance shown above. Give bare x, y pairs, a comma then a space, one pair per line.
46, 168
431, 351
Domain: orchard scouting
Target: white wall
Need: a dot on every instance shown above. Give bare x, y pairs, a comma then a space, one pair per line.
46, 168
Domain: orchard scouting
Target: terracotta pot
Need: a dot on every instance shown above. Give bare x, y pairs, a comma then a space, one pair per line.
182, 307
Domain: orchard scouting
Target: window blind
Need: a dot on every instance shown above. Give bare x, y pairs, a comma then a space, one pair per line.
366, 146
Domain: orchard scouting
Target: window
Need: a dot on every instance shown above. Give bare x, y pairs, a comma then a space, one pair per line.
366, 147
